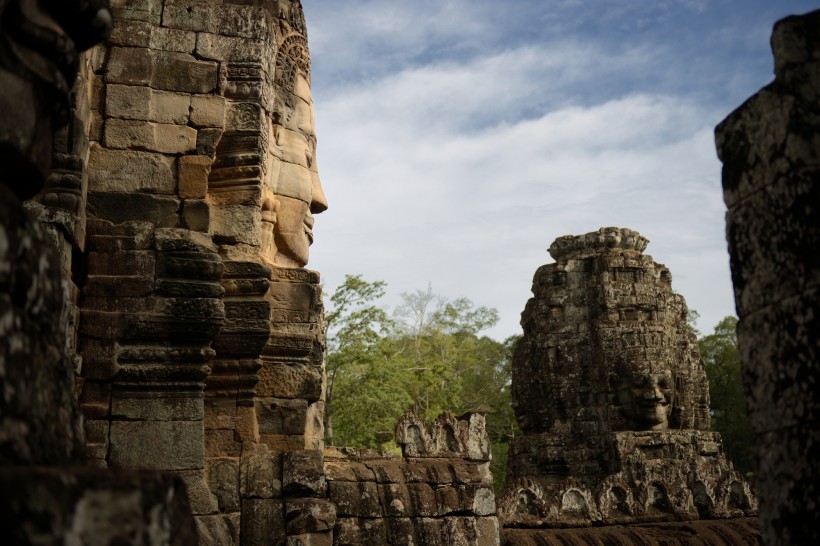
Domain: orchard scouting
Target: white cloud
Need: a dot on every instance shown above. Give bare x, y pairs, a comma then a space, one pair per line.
365, 38
457, 139
422, 199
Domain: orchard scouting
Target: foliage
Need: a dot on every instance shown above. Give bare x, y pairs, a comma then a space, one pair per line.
728, 402
692, 317
355, 326
429, 356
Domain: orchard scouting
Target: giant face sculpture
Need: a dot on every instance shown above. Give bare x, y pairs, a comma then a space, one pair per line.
295, 180
294, 177
645, 396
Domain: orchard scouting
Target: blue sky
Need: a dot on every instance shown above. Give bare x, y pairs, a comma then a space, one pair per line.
459, 138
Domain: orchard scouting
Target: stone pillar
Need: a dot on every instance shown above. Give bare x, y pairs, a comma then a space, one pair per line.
151, 298
290, 401
151, 307
770, 153
47, 497
201, 189
231, 430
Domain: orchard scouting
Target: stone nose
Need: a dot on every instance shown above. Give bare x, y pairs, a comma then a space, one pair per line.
318, 201
653, 392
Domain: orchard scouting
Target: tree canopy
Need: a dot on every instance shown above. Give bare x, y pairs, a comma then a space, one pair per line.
428, 355
721, 359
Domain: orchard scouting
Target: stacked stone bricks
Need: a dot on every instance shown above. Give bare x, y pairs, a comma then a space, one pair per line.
611, 395
49, 495
439, 493
200, 332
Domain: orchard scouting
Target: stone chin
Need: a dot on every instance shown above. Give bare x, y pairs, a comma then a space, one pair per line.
292, 232
645, 400
651, 417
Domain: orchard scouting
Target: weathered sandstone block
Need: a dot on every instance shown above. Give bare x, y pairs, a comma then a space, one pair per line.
215, 47
193, 176
164, 70
207, 111
263, 522
156, 445
137, 10
144, 34
143, 103
92, 506
153, 137
180, 72
129, 172
225, 19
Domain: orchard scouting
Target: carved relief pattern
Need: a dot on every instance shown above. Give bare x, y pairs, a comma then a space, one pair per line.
608, 385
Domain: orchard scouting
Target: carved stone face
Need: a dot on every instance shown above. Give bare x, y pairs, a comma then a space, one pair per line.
645, 397
296, 183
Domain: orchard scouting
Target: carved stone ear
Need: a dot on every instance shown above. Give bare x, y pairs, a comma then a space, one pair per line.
675, 419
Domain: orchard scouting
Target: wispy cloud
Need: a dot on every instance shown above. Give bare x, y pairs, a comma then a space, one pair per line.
458, 139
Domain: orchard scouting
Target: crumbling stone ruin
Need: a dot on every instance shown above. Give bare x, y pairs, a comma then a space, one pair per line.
440, 492
161, 341
202, 354
180, 202
611, 395
769, 149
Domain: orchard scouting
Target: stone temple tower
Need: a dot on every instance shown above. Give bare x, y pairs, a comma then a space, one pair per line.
611, 394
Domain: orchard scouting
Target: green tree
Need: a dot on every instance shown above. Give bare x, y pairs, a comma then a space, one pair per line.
355, 329
438, 341
728, 402
430, 356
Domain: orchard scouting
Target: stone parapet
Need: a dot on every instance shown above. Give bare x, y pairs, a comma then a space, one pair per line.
439, 493
651, 476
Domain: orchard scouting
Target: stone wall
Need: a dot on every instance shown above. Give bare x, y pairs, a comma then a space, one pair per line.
201, 333
770, 151
438, 493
